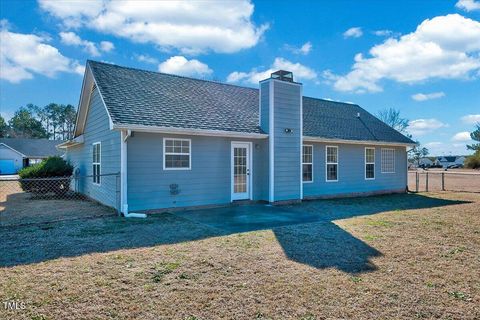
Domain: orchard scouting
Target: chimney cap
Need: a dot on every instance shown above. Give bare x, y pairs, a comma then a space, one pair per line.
282, 75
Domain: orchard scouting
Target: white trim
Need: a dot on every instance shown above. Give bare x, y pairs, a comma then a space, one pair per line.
14, 150
301, 144
340, 141
271, 130
123, 174
260, 105
173, 153
97, 163
249, 169
190, 132
327, 163
307, 145
365, 163
381, 161
73, 142
281, 81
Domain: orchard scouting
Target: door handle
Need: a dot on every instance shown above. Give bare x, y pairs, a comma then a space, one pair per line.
248, 172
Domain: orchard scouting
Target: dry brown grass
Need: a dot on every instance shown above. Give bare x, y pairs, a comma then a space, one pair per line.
418, 263
466, 180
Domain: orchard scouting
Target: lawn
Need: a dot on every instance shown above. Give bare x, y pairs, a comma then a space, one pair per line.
386, 257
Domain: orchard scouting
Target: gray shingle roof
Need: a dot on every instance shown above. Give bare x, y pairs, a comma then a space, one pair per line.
139, 97
34, 148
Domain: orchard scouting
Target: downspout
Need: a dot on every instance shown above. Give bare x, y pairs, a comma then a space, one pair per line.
125, 134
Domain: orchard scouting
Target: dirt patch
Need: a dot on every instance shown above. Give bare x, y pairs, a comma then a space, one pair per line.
21, 208
388, 257
465, 180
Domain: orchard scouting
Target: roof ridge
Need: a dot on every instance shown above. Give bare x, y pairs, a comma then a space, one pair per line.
172, 75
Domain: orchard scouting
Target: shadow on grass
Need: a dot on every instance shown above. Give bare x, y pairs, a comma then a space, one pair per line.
305, 231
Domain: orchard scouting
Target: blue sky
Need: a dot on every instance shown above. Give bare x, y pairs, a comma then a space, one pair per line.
421, 57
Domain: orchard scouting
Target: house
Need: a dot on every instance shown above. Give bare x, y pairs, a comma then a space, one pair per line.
16, 154
425, 163
183, 142
449, 161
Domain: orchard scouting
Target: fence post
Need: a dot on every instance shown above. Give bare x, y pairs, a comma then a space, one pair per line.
443, 181
416, 181
426, 183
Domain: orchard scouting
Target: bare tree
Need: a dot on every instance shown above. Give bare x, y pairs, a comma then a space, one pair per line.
392, 117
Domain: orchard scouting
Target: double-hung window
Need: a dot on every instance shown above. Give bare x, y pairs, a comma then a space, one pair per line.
96, 162
369, 163
331, 163
307, 163
388, 160
176, 154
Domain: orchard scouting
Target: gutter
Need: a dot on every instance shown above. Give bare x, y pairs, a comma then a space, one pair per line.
125, 135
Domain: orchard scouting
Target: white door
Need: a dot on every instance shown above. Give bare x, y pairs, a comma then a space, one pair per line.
241, 162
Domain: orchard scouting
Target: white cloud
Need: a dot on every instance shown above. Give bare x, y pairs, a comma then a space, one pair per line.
421, 127
106, 46
191, 27
23, 55
254, 76
72, 39
436, 148
428, 96
383, 33
445, 47
462, 137
180, 65
146, 58
304, 49
355, 32
468, 5
471, 118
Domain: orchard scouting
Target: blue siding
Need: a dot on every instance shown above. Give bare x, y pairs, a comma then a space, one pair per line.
97, 129
287, 161
207, 183
264, 105
351, 172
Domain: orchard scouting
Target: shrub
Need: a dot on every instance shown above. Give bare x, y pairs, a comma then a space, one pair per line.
473, 161
49, 168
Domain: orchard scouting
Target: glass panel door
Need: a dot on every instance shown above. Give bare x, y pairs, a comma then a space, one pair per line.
241, 171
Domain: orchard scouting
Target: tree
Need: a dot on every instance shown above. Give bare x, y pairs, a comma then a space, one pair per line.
393, 119
3, 128
24, 125
475, 135
418, 152
67, 119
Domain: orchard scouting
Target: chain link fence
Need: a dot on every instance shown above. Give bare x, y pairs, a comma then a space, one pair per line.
40, 200
425, 181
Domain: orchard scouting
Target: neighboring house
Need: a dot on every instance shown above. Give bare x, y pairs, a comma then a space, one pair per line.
16, 154
447, 161
425, 162
182, 142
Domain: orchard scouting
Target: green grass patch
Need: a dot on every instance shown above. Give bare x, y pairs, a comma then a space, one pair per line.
162, 269
379, 223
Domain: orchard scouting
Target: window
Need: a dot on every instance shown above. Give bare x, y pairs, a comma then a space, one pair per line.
388, 160
307, 163
96, 162
332, 163
34, 161
369, 163
176, 154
